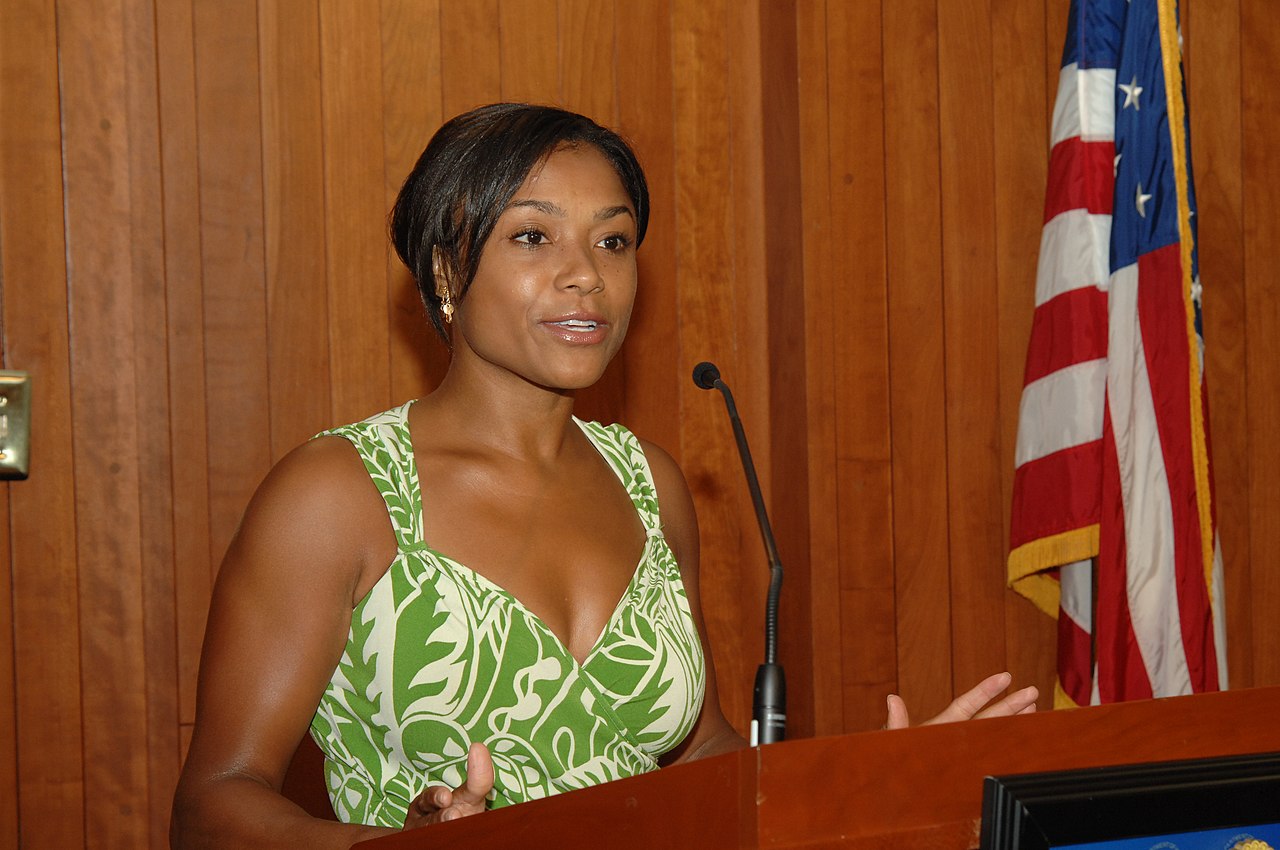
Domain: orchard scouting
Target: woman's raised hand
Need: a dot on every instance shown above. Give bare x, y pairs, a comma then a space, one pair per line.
973, 704
439, 803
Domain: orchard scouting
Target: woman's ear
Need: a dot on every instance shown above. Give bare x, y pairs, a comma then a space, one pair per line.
440, 270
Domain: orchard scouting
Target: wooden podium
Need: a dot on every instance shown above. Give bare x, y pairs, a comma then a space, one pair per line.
913, 788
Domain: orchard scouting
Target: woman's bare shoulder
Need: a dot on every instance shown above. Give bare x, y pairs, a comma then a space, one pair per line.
317, 506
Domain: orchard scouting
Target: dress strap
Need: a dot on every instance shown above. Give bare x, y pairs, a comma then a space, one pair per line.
622, 451
385, 447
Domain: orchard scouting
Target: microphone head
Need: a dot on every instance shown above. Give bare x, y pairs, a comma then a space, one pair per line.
705, 375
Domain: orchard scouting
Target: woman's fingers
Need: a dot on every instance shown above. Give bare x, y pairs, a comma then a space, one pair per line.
973, 701
980, 701
475, 789
898, 717
428, 805
1019, 702
439, 803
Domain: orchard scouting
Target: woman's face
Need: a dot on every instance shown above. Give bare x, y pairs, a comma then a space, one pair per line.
552, 296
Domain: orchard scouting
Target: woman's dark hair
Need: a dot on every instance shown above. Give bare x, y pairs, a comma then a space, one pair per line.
471, 168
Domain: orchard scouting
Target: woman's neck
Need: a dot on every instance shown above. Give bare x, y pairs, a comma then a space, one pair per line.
498, 409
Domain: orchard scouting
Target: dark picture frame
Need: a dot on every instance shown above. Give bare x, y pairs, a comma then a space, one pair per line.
1039, 811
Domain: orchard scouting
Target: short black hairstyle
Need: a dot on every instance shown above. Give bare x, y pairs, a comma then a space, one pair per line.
469, 172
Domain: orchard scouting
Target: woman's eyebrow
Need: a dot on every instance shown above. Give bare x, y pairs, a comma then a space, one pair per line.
541, 206
554, 209
610, 212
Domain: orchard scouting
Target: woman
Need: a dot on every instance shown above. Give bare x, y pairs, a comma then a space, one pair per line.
488, 600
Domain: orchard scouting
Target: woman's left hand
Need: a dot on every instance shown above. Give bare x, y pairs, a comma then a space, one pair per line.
440, 803
974, 704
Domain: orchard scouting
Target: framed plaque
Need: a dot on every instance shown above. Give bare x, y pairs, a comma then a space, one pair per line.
1204, 804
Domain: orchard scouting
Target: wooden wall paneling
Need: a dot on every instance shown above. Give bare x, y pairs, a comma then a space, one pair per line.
229, 116
412, 111
1021, 142
733, 575
193, 562
42, 510
744, 281
588, 62
820, 283
1260, 55
100, 284
975, 510
784, 317
8, 705
916, 356
470, 54
356, 241
1213, 50
150, 354
294, 218
587, 74
656, 374
1055, 35
745, 287
864, 499
531, 45
8, 681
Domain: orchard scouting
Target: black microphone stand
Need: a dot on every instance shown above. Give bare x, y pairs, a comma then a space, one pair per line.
769, 703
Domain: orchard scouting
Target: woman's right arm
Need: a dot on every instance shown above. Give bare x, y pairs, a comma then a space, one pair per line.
314, 538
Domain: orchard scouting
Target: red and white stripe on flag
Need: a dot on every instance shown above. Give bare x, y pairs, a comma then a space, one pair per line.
1112, 463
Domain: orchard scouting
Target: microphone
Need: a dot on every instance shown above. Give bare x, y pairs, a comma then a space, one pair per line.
769, 704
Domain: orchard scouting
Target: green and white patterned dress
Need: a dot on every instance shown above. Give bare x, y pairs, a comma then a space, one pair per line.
438, 656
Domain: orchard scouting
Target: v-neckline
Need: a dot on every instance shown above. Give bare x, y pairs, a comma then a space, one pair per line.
415, 483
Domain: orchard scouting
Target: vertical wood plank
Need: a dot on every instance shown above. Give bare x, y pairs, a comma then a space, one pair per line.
471, 71
916, 356
184, 304
587, 58
655, 372
971, 327
46, 627
1260, 54
229, 116
778, 112
411, 75
8, 708
8, 713
356, 242
741, 284
1213, 52
731, 573
864, 505
100, 283
530, 46
750, 367
294, 212
8, 705
1055, 35
156, 494
819, 287
1021, 141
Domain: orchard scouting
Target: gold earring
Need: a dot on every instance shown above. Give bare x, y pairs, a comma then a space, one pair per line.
446, 307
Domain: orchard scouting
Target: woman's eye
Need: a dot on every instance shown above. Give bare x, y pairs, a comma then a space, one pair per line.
531, 237
616, 242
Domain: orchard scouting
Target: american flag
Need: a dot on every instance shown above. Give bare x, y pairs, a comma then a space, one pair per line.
1113, 482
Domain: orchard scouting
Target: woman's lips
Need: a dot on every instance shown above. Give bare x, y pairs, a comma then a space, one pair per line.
579, 330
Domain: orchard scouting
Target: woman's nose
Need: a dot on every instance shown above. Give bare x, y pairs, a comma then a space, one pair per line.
580, 270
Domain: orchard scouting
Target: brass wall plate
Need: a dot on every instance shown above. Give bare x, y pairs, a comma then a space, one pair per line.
15, 425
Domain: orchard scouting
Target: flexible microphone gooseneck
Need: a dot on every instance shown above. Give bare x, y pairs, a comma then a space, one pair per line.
769, 705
